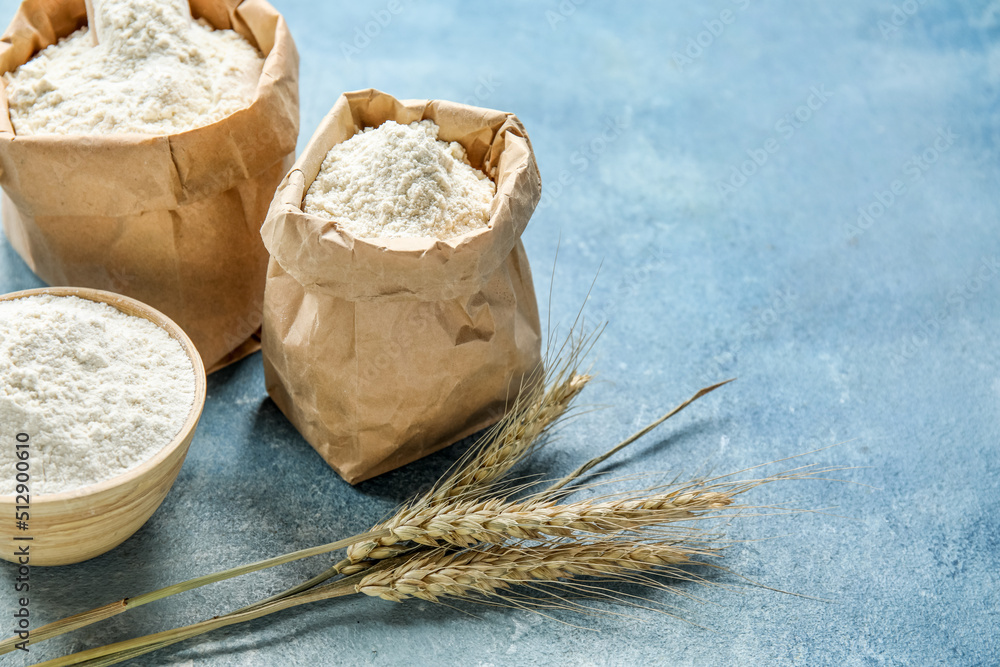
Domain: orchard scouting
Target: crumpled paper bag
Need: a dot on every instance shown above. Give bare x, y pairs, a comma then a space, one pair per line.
170, 220
381, 351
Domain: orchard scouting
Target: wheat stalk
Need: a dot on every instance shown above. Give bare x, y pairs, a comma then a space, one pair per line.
539, 408
468, 523
488, 572
436, 575
439, 574
513, 441
517, 436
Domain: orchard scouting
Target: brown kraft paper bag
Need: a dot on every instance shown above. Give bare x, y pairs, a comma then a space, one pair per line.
381, 351
170, 220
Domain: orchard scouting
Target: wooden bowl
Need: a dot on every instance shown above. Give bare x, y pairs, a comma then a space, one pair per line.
72, 526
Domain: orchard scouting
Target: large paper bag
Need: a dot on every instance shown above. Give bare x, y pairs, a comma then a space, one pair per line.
170, 220
381, 351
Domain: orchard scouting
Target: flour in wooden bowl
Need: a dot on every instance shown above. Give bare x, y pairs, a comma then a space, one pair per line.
401, 181
97, 391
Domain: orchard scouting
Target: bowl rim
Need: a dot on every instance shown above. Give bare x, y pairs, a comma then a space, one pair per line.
182, 438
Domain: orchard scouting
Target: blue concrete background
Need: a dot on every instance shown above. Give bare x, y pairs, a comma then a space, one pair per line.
877, 332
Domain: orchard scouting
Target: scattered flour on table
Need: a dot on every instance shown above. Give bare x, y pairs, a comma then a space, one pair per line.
400, 180
154, 72
97, 391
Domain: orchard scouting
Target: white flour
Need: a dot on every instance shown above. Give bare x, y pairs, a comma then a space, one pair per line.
97, 391
154, 72
399, 180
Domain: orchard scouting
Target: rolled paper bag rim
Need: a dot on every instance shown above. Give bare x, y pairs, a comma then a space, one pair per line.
177, 171
319, 253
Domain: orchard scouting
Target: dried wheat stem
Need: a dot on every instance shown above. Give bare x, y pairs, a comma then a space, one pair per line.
576, 474
86, 618
131, 648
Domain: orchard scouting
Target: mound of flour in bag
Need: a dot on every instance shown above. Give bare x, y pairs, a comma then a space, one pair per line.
154, 72
399, 180
97, 391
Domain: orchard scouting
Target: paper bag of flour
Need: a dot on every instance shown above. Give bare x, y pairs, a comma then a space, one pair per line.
170, 220
381, 351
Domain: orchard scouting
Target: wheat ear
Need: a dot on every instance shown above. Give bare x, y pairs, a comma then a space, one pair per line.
468, 523
439, 574
512, 440
518, 435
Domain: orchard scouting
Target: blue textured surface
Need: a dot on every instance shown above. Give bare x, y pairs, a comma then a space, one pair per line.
880, 336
